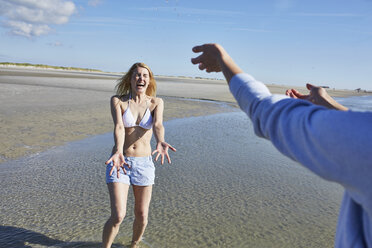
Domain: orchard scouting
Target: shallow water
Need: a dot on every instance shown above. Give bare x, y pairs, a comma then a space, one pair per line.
225, 188
358, 103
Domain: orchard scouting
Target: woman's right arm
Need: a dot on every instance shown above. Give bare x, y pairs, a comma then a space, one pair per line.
117, 157
118, 124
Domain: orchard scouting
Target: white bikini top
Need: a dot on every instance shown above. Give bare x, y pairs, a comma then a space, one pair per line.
129, 120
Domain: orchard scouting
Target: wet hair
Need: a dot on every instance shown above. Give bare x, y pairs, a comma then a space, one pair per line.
123, 86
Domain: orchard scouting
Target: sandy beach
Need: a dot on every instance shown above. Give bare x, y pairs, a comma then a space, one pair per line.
46, 108
225, 188
41, 109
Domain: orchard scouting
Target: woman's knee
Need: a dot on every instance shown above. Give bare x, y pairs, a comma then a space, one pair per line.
118, 217
141, 215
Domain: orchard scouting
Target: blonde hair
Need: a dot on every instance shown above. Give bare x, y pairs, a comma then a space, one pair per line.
123, 86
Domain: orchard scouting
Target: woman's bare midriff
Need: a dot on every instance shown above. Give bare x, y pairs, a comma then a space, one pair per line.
137, 142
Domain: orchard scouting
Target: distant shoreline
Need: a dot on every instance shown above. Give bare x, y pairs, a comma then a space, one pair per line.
42, 66
27, 69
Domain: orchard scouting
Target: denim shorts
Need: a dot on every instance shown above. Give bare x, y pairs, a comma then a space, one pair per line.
141, 172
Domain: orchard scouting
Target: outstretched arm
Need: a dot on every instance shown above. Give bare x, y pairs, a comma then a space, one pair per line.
161, 146
318, 96
117, 157
332, 144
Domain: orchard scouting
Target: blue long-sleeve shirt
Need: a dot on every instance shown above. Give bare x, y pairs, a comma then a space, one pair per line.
336, 145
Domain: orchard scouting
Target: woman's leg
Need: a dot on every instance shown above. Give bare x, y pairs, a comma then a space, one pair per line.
142, 196
118, 199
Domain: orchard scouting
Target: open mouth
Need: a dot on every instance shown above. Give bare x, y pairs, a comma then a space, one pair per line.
141, 85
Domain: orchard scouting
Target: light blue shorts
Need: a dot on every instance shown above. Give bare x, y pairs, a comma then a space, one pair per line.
141, 172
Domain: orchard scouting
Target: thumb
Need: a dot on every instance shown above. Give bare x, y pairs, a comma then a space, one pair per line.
309, 86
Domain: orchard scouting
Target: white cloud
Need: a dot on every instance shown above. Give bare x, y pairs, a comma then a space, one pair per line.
33, 17
94, 3
27, 29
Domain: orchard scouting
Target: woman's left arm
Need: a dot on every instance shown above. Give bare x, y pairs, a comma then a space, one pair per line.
161, 146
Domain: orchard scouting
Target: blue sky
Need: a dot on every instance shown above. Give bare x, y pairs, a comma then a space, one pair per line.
326, 42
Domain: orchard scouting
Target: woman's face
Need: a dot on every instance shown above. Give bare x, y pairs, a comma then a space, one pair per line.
140, 80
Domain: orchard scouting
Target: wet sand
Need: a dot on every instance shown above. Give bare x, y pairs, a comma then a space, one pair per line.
225, 188
46, 108
244, 195
40, 110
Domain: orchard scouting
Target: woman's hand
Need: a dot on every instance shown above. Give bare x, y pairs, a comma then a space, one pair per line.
118, 162
162, 149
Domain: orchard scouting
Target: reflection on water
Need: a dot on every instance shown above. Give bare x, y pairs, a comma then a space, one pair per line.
225, 188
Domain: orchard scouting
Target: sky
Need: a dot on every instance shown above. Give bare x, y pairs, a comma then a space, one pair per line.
288, 42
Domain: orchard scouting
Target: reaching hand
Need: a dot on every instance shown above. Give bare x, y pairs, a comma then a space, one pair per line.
118, 162
162, 149
210, 57
318, 96
214, 58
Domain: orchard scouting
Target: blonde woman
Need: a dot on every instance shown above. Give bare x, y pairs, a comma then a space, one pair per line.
136, 113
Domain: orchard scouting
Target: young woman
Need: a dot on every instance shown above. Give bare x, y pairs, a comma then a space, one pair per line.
136, 113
